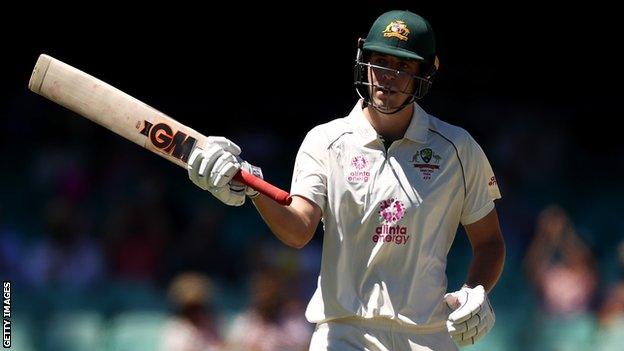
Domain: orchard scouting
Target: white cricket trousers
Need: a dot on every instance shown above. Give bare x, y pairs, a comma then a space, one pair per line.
378, 334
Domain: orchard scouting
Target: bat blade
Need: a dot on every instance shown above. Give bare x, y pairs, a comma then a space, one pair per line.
127, 116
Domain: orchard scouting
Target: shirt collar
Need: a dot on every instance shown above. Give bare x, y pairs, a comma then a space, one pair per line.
361, 126
417, 130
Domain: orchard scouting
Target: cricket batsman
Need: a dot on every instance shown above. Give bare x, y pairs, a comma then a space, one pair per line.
391, 184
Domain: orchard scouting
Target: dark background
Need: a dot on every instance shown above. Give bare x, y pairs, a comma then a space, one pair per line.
538, 88
288, 67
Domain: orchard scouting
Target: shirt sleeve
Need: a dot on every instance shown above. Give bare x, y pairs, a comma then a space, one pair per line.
481, 186
310, 174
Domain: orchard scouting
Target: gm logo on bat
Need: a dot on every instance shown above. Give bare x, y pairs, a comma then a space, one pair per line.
178, 144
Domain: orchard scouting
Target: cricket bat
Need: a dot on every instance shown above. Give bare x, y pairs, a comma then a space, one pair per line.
128, 117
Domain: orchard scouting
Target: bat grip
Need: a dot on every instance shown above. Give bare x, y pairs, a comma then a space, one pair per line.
259, 184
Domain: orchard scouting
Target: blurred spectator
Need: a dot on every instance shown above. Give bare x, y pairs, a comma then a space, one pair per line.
66, 254
11, 250
274, 321
563, 271
194, 326
560, 266
610, 335
299, 267
201, 247
612, 308
61, 171
136, 242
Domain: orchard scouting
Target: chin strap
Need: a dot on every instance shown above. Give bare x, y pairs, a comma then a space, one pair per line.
389, 112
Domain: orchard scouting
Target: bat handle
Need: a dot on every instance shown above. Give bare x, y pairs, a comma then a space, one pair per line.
259, 184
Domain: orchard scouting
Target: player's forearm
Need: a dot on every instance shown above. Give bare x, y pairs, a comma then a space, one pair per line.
286, 222
486, 265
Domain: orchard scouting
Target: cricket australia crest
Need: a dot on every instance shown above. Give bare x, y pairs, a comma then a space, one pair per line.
427, 161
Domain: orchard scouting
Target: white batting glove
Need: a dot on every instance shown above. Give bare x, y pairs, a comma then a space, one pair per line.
213, 169
255, 170
472, 316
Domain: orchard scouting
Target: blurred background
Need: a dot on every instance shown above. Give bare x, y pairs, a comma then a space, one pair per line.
110, 247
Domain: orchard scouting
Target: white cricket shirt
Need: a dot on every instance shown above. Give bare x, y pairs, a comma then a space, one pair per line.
390, 217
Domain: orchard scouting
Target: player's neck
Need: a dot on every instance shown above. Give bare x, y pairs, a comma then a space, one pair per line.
391, 127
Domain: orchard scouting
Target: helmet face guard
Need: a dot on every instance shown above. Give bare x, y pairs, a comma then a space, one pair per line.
416, 88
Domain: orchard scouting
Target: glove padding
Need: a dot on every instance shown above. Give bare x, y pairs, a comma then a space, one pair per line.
213, 169
472, 316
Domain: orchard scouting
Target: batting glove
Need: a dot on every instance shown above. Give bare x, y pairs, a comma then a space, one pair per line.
472, 316
213, 169
257, 171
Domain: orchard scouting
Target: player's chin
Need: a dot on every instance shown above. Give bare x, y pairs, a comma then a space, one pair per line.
385, 108
387, 104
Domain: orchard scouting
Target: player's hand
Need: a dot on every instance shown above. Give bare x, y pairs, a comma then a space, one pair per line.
255, 170
212, 169
472, 316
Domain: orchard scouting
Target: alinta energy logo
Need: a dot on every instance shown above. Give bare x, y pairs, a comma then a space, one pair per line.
391, 211
359, 171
